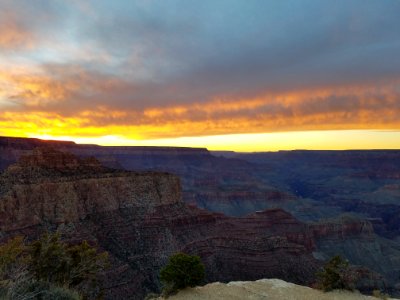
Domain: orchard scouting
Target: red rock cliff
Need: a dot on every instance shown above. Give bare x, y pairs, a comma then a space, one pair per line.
58, 187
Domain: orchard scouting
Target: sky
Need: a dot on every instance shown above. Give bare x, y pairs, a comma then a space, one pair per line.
245, 75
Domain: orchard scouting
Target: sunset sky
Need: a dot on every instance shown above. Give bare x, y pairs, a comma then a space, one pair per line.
241, 75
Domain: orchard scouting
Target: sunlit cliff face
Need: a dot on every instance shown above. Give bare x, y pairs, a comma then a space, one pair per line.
251, 76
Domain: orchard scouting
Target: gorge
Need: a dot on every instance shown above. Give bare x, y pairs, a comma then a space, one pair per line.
129, 201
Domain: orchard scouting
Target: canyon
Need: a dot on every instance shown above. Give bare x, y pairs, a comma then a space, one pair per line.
140, 219
248, 216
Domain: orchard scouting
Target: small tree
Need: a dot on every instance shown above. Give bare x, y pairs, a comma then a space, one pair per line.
84, 266
49, 260
48, 267
335, 274
76, 266
182, 271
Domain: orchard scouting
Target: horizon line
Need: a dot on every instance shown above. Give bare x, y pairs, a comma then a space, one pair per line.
71, 141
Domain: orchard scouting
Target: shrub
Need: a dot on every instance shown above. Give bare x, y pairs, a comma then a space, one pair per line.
335, 275
84, 266
182, 271
49, 268
53, 261
49, 260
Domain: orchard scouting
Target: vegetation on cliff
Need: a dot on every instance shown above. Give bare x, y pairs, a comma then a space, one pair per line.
49, 269
182, 271
336, 275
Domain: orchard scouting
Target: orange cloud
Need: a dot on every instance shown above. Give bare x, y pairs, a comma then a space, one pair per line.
14, 35
69, 101
32, 88
291, 112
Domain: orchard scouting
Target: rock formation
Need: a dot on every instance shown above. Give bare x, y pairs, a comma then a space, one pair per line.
58, 187
271, 289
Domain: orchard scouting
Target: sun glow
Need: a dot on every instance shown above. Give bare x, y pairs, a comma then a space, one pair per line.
311, 140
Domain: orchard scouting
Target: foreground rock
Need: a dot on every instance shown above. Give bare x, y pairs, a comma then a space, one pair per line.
271, 289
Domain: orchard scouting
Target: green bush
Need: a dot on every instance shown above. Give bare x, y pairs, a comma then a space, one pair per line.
49, 269
182, 271
85, 263
49, 260
335, 274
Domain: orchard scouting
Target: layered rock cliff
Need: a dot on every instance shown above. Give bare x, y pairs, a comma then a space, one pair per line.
58, 187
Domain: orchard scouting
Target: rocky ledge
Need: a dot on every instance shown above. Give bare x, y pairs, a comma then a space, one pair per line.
271, 289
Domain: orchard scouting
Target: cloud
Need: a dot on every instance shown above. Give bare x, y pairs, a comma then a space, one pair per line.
179, 68
357, 107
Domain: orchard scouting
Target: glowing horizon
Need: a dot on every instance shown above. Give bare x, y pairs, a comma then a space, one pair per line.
260, 142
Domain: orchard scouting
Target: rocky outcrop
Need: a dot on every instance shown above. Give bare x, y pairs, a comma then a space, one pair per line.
272, 289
